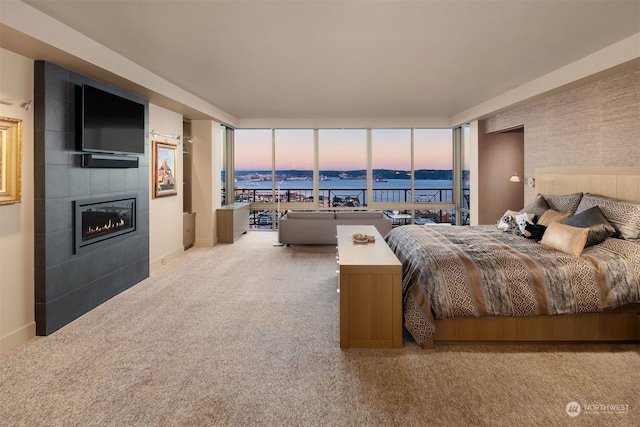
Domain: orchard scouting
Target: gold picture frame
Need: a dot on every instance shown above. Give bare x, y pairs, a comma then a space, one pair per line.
10, 160
164, 169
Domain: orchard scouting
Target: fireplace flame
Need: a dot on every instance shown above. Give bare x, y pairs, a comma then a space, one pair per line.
106, 227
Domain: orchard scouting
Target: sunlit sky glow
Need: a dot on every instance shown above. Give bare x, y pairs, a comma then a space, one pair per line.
343, 149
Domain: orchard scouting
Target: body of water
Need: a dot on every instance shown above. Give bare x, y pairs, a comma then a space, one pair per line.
392, 190
346, 184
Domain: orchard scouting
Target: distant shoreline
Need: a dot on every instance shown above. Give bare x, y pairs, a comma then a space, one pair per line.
357, 174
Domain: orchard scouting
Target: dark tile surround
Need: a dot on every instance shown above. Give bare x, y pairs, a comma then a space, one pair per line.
68, 285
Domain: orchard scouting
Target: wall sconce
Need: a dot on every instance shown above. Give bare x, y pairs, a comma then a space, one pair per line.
529, 180
154, 133
26, 104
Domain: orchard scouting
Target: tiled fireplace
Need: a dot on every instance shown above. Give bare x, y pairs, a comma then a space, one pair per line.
91, 224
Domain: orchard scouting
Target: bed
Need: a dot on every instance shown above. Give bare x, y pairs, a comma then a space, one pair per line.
480, 283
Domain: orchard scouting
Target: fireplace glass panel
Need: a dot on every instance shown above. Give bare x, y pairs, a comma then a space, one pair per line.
100, 219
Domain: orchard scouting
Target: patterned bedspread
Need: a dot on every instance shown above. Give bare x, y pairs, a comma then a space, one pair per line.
477, 271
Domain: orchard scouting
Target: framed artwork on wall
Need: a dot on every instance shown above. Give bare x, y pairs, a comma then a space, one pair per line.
164, 169
10, 160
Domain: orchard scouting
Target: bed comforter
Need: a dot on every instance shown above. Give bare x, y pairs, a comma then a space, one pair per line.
482, 271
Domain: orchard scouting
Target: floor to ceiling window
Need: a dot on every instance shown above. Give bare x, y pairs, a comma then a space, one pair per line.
293, 170
465, 174
462, 142
342, 164
391, 165
253, 177
407, 173
433, 175
226, 158
293, 164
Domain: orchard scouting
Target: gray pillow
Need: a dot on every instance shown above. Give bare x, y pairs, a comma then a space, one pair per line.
623, 215
564, 203
595, 221
537, 207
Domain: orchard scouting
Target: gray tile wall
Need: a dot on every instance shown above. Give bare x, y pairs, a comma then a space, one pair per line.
67, 285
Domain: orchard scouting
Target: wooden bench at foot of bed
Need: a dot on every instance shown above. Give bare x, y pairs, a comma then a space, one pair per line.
621, 325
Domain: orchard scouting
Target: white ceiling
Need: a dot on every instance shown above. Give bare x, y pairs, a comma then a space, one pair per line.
356, 59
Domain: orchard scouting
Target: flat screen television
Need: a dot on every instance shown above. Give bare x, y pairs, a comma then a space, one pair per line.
110, 123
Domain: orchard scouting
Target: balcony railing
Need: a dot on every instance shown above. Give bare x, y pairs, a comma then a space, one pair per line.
354, 198
345, 197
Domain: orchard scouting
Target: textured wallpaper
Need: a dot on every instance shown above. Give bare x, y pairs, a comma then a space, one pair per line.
596, 124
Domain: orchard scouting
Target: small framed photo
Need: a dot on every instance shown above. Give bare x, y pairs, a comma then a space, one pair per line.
164, 163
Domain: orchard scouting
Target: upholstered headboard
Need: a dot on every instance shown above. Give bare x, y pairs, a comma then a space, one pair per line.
615, 182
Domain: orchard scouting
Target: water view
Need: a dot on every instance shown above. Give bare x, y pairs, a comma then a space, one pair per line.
393, 190
347, 190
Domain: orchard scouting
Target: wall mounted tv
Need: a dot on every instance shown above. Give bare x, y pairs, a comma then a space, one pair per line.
110, 123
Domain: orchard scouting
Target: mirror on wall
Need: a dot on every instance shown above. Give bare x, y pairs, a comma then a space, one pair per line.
10, 160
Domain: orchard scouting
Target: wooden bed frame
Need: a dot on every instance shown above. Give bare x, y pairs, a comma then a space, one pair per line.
621, 324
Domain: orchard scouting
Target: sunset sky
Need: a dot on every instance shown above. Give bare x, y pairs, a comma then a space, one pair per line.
343, 149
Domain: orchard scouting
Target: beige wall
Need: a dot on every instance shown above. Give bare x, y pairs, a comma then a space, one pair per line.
16, 220
165, 213
596, 124
17, 223
500, 155
205, 178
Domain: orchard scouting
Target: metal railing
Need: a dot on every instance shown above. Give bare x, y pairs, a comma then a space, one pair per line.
352, 198
345, 197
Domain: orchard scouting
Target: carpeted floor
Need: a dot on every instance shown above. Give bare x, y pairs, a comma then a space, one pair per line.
247, 334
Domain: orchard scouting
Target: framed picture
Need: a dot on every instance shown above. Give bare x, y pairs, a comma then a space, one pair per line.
10, 160
164, 176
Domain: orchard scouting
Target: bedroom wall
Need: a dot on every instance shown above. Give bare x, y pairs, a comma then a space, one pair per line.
595, 124
500, 155
165, 213
205, 178
17, 235
17, 322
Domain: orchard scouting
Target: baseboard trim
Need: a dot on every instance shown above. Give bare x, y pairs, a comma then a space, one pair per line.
156, 264
17, 337
204, 243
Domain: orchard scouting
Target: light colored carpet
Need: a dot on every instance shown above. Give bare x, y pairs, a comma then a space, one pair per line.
247, 334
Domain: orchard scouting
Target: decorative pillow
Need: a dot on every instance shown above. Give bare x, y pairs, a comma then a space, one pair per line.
594, 220
565, 203
551, 215
565, 238
623, 215
537, 207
